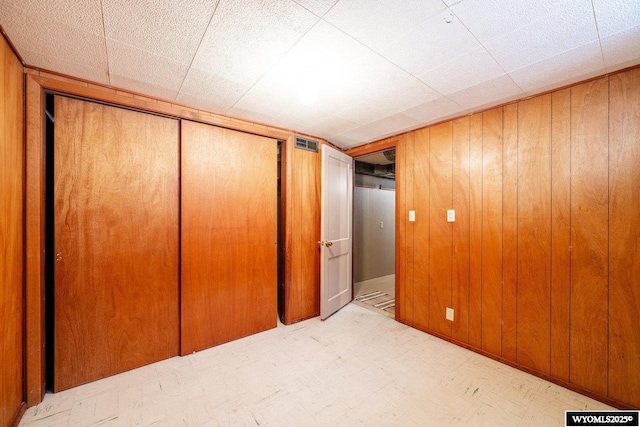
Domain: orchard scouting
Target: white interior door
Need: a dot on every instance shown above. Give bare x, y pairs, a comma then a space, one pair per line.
336, 232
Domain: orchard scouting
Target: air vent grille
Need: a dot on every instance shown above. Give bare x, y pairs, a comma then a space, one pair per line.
306, 144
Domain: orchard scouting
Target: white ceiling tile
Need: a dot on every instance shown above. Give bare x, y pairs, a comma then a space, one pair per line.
245, 38
128, 64
85, 15
216, 92
383, 128
488, 93
462, 71
433, 111
50, 46
430, 45
491, 19
82, 71
379, 23
575, 65
170, 28
622, 50
330, 126
569, 26
614, 16
143, 87
319, 7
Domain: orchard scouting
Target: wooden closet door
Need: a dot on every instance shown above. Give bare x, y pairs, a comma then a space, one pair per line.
116, 237
229, 230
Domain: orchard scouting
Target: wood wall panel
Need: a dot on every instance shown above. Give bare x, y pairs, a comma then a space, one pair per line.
475, 231
492, 231
229, 227
35, 243
589, 236
11, 235
543, 268
624, 236
534, 233
116, 216
560, 231
510, 231
409, 183
402, 286
421, 192
301, 219
460, 238
440, 231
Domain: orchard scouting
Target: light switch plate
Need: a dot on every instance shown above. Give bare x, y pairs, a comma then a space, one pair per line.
412, 216
449, 314
451, 215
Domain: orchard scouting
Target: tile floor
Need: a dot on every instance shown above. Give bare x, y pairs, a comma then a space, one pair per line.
357, 368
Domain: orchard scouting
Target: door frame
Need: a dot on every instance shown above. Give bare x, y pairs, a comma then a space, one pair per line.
392, 143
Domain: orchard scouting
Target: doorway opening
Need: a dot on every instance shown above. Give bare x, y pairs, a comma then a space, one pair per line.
374, 231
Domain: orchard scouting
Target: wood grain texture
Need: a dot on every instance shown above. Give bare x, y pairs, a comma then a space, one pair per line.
589, 236
624, 235
460, 239
534, 233
409, 182
421, 237
510, 231
229, 220
492, 231
308, 226
440, 231
560, 231
11, 235
35, 243
475, 231
116, 216
402, 285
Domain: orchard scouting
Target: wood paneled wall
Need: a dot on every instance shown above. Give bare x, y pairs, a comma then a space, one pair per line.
541, 265
301, 232
11, 235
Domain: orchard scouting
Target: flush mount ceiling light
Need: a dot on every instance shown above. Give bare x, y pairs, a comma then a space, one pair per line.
307, 89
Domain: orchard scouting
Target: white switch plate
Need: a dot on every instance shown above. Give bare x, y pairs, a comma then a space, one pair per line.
449, 314
412, 216
451, 215
381, 224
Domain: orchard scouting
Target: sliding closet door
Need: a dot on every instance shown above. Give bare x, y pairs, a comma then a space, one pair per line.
116, 239
229, 276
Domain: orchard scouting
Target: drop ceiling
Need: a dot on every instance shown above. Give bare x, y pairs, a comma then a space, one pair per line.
380, 67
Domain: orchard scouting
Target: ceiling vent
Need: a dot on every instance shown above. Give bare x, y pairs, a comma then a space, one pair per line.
306, 144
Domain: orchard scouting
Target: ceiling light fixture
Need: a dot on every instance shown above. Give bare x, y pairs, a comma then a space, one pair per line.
307, 87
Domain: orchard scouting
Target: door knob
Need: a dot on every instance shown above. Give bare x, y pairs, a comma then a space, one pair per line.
329, 243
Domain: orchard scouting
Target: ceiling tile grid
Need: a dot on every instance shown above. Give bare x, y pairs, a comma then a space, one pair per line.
379, 68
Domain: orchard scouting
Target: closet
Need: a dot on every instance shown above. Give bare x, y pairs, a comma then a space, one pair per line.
165, 238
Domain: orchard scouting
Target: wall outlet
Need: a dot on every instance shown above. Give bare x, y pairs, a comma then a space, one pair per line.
381, 224
449, 314
412, 216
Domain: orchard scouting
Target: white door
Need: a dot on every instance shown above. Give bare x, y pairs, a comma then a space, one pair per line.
336, 232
